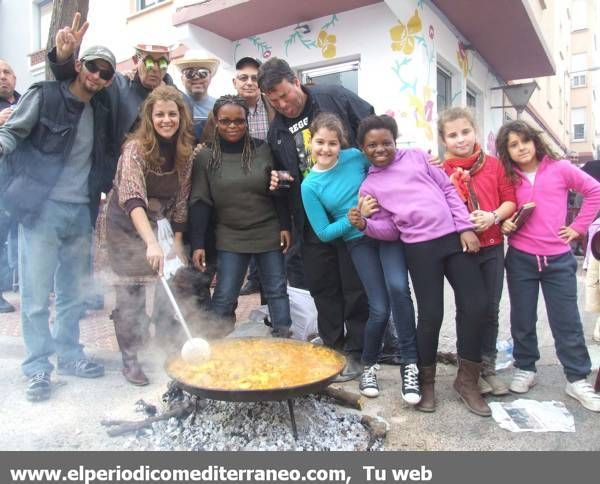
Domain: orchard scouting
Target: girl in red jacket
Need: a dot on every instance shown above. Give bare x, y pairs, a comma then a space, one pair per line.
481, 182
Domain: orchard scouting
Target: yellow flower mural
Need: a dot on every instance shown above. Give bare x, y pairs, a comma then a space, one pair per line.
463, 59
403, 36
423, 111
326, 42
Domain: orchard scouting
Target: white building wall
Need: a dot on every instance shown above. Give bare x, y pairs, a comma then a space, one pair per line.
397, 74
16, 39
399, 44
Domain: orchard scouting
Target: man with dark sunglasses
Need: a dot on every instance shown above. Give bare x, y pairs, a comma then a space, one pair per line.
126, 93
196, 74
54, 164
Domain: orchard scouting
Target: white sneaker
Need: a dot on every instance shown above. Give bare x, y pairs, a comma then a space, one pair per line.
368, 382
581, 390
522, 381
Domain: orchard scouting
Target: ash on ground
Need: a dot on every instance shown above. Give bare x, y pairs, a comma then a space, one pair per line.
238, 426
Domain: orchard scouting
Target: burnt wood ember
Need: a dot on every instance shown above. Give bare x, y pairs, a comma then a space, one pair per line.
233, 426
173, 394
377, 428
147, 408
121, 427
344, 397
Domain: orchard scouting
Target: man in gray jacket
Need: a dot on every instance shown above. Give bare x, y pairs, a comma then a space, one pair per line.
54, 165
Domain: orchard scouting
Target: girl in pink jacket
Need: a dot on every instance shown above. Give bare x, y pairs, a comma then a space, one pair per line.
539, 253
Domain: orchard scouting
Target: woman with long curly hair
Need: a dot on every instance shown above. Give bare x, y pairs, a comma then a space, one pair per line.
230, 184
152, 183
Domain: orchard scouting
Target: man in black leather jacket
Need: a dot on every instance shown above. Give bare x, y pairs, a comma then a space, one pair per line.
325, 268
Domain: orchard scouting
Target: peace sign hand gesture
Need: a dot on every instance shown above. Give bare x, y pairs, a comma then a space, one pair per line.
68, 39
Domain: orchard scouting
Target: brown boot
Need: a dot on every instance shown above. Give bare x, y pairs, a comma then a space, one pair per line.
132, 371
128, 338
427, 380
467, 388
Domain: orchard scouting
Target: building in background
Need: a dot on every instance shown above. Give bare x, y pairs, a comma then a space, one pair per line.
409, 58
584, 79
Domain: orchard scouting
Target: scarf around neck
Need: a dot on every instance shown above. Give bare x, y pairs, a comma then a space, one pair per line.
460, 171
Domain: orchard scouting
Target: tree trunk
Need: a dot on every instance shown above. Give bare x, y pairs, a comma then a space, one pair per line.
63, 12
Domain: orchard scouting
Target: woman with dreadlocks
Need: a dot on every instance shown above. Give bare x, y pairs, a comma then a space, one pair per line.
230, 181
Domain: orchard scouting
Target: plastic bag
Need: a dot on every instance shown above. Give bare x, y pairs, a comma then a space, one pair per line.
304, 314
302, 311
166, 238
504, 357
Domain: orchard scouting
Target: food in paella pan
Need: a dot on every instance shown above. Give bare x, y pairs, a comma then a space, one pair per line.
259, 364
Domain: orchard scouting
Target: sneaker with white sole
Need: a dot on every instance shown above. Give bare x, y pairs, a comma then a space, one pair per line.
368, 382
411, 391
581, 390
522, 381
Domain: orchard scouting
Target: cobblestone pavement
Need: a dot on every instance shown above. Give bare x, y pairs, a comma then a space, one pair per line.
97, 330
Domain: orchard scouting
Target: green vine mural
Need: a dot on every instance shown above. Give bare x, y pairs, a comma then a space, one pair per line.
324, 40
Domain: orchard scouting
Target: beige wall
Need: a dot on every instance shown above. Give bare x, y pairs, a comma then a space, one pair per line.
586, 41
547, 104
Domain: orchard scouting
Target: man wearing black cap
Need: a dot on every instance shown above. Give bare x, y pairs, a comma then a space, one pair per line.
54, 166
246, 84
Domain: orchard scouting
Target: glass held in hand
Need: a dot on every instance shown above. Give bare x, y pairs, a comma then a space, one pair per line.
285, 179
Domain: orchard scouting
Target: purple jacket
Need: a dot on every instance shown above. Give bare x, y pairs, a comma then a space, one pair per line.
415, 199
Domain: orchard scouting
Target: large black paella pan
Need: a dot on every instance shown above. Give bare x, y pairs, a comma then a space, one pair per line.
258, 369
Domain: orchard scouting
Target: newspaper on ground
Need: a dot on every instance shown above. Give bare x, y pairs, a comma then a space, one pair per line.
526, 415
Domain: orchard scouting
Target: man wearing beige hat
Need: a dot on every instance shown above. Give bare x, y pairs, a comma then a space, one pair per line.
196, 74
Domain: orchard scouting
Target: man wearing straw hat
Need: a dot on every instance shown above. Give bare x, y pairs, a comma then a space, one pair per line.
196, 74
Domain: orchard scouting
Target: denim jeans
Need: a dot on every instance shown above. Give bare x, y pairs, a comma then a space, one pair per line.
54, 254
557, 276
231, 269
382, 269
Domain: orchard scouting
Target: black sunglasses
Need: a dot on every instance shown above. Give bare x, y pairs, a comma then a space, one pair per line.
200, 73
92, 68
